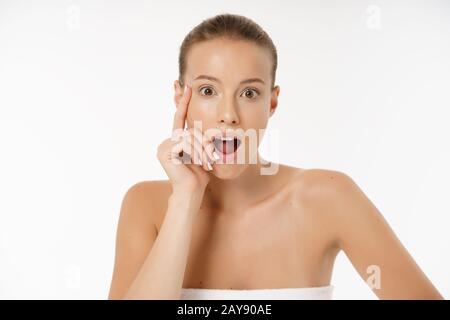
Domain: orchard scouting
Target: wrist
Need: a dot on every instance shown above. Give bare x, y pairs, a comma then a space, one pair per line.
186, 199
187, 194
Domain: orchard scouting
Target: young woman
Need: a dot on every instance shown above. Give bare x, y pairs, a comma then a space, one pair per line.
220, 227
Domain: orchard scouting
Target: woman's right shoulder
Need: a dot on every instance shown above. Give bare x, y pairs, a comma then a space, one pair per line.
150, 188
147, 200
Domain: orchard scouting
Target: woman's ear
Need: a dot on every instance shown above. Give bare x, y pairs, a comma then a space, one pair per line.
274, 100
178, 92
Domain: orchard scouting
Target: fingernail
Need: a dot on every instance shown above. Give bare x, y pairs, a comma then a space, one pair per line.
209, 166
185, 89
216, 156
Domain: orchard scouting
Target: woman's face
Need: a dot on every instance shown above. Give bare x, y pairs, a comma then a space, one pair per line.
232, 94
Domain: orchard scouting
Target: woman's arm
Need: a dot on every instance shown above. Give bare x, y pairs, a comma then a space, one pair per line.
151, 266
371, 245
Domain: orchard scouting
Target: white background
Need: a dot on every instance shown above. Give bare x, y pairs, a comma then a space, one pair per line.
86, 96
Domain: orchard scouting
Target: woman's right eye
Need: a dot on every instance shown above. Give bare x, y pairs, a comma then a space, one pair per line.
207, 91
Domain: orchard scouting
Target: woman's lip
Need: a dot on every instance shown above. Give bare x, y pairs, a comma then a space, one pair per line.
226, 157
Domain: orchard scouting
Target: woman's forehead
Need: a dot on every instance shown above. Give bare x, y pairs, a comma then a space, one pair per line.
229, 59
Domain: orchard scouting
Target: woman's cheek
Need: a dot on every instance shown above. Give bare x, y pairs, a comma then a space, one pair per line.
206, 105
198, 111
255, 116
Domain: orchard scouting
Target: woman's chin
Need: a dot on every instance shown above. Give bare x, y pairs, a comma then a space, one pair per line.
228, 171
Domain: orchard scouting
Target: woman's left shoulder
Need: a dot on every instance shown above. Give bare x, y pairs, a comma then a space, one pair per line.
318, 183
333, 194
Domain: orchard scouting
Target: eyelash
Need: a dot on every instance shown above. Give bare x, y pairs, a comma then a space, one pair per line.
252, 89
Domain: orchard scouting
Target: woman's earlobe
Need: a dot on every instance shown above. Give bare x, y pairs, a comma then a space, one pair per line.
273, 106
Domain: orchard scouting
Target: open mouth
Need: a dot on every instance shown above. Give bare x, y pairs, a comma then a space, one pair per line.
227, 145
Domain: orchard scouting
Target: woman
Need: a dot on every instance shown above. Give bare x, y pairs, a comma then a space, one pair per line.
222, 228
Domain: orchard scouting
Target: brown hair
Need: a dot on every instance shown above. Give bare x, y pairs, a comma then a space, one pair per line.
230, 26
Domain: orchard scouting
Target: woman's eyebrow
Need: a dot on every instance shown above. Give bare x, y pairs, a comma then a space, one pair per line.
202, 76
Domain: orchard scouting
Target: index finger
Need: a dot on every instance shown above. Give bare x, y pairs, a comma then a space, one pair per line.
180, 115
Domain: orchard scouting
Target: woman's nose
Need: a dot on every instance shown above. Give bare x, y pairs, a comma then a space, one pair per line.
228, 115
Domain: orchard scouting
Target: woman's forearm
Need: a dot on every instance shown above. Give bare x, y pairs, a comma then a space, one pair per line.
162, 273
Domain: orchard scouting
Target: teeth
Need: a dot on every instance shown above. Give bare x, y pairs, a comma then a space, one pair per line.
226, 138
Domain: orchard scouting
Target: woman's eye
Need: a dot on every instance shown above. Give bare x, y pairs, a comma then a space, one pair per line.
208, 91
253, 93
249, 93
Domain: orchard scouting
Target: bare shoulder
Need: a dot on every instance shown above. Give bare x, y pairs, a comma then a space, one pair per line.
333, 194
144, 189
149, 193
317, 186
356, 226
142, 206
335, 198
334, 191
322, 195
322, 179
145, 201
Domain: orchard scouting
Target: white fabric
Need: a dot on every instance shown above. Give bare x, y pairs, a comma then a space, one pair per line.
309, 293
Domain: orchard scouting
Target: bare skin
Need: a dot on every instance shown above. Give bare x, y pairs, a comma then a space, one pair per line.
244, 230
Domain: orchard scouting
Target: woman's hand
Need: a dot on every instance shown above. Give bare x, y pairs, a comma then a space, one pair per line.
187, 155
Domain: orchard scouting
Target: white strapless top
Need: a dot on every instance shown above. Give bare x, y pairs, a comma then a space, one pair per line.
308, 293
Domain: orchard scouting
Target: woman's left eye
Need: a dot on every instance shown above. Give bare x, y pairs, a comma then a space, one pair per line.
255, 93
